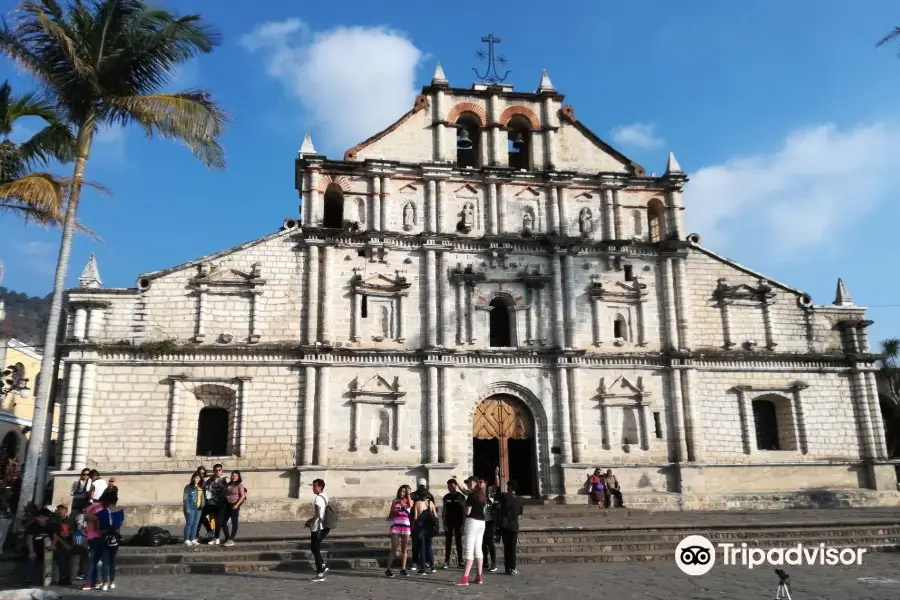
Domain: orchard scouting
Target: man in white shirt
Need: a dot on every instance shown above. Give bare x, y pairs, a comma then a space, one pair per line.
317, 528
99, 485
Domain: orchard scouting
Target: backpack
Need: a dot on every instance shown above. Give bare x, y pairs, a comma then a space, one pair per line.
330, 518
152, 537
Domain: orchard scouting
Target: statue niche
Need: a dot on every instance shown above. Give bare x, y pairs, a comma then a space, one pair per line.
528, 223
586, 222
467, 222
409, 216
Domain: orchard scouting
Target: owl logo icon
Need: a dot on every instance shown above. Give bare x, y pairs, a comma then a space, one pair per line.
695, 555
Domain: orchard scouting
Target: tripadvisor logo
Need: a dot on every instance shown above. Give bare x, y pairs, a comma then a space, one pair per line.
696, 555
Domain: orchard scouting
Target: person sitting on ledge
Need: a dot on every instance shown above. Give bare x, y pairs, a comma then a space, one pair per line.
612, 489
597, 488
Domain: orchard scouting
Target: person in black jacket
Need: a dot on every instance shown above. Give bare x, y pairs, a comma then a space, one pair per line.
510, 511
454, 517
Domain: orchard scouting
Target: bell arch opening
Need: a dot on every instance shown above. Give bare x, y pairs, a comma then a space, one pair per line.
501, 323
333, 216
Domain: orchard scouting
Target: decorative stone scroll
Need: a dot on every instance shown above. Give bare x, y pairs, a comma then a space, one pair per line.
626, 395
376, 391
392, 290
218, 280
762, 296
630, 293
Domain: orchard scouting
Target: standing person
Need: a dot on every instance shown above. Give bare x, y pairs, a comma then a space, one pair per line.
36, 535
112, 487
474, 536
235, 495
99, 485
67, 546
214, 510
95, 547
421, 491
110, 519
424, 518
317, 529
193, 500
612, 489
489, 546
399, 517
510, 509
81, 492
454, 516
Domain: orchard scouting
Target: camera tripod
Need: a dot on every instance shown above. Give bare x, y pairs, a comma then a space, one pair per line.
784, 590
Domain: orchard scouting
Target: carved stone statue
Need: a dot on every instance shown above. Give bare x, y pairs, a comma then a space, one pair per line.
467, 223
528, 223
409, 217
586, 221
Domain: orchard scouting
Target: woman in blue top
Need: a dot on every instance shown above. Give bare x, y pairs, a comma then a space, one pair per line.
193, 500
110, 520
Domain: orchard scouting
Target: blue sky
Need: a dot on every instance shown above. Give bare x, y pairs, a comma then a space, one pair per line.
784, 113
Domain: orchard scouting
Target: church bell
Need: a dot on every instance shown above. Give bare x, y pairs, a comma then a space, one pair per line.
519, 141
464, 142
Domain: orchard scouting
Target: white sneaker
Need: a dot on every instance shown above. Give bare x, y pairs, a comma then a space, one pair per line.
195, 542
112, 586
188, 543
105, 587
229, 543
214, 542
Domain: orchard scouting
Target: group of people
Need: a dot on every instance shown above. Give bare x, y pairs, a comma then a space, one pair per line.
475, 515
604, 487
213, 502
90, 532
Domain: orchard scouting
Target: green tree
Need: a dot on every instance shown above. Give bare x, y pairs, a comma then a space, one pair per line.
889, 386
104, 62
34, 195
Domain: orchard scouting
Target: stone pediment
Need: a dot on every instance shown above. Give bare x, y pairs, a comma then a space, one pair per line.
527, 193
380, 283
622, 388
408, 189
377, 390
221, 275
617, 289
585, 197
763, 292
466, 190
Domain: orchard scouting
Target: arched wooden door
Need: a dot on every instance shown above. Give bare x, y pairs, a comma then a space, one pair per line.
503, 436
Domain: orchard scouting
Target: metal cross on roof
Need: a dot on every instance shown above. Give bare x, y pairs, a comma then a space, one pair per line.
492, 75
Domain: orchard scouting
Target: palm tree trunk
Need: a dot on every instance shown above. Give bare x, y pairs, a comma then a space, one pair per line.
48, 361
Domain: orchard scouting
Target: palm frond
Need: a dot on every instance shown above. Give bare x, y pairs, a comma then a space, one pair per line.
53, 142
41, 198
190, 117
892, 36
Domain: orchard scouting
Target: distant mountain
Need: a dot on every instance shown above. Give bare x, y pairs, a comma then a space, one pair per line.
26, 316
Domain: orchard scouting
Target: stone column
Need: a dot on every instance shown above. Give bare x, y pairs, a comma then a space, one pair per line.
532, 315
354, 425
255, 293
617, 215
431, 298
441, 190
401, 318
439, 127
767, 324
356, 300
445, 454
595, 305
641, 313
726, 324
385, 201
565, 422
375, 223
541, 318
484, 147
307, 443
243, 399
748, 427
200, 334
682, 303
460, 313
644, 424
681, 454
669, 303
575, 410
327, 294
554, 211
398, 426
565, 222
875, 411
313, 212
800, 418
676, 214
695, 445
471, 311
433, 417
446, 296
322, 417
431, 206
557, 308
174, 417
870, 445
86, 410
570, 315
95, 323
68, 438
604, 425
549, 145
79, 329
502, 224
312, 298
492, 208
609, 220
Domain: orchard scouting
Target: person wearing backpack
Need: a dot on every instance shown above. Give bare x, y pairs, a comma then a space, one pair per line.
427, 526
324, 519
111, 518
214, 509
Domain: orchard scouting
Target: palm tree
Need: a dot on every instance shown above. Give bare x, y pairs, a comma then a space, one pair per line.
34, 195
104, 62
893, 36
889, 385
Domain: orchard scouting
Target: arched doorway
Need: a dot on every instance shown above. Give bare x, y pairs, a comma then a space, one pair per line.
503, 436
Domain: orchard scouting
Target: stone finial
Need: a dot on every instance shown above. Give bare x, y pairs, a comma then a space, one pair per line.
439, 78
90, 277
672, 166
307, 147
546, 85
842, 296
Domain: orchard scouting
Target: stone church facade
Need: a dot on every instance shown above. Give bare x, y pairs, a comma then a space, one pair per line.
484, 283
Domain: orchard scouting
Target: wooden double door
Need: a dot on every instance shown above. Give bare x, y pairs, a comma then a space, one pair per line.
503, 436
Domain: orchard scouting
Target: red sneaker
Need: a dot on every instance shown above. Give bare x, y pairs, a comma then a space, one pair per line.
463, 581
479, 580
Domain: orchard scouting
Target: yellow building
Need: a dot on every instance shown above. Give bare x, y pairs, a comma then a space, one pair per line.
17, 398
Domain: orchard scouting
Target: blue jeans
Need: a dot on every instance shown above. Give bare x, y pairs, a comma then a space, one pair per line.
96, 547
426, 550
191, 523
108, 568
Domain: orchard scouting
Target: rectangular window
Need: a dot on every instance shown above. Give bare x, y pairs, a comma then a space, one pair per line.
629, 273
361, 252
657, 424
364, 306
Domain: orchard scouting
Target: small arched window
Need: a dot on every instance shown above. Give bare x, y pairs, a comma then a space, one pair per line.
765, 419
656, 221
501, 323
620, 328
468, 138
519, 143
212, 431
333, 217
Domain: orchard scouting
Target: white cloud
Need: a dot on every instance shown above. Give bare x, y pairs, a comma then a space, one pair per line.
351, 81
109, 143
637, 135
798, 197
